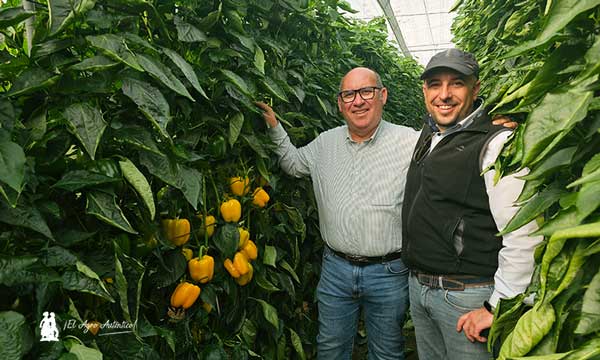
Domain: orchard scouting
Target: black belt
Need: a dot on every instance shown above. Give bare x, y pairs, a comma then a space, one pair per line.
361, 260
452, 282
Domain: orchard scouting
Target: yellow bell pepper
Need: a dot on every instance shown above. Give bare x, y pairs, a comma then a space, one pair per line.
177, 230
208, 224
231, 269
245, 279
207, 307
260, 197
239, 185
202, 269
231, 210
250, 250
244, 236
241, 263
187, 253
185, 295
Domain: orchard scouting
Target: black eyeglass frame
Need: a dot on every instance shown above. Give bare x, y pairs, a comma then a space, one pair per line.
358, 91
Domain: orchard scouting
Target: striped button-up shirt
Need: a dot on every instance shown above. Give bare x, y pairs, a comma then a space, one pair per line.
359, 187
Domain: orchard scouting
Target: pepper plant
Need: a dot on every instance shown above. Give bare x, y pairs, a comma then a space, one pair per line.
540, 62
128, 117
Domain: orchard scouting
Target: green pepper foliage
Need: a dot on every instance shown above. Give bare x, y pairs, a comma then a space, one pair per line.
540, 62
127, 112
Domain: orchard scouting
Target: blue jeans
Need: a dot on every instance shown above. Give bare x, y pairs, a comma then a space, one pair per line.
435, 312
382, 292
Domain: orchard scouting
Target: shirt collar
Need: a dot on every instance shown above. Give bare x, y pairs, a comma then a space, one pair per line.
382, 124
464, 123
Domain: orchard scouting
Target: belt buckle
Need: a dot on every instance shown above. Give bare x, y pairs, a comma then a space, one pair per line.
451, 284
359, 259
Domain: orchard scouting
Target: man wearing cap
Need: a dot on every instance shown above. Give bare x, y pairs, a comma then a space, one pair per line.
451, 214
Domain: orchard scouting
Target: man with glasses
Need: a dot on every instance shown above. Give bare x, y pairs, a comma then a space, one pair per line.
358, 173
451, 213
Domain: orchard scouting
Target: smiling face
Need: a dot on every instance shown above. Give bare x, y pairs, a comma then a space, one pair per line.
449, 96
362, 116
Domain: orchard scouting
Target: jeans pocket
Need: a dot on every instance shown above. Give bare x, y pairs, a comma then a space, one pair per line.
470, 299
396, 267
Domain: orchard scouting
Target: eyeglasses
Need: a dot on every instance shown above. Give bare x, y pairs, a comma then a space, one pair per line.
366, 93
422, 151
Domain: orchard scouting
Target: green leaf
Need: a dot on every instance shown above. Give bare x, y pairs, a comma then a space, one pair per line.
115, 47
533, 208
61, 12
87, 124
32, 79
139, 183
264, 283
270, 255
274, 89
187, 32
129, 274
591, 177
57, 256
237, 81
95, 63
563, 220
163, 168
191, 181
78, 281
227, 240
15, 339
559, 159
17, 270
287, 267
173, 266
269, 312
163, 74
235, 127
82, 352
79, 179
151, 103
297, 344
255, 145
37, 123
556, 243
589, 321
186, 69
10, 16
262, 168
588, 199
139, 137
25, 216
12, 164
259, 59
105, 208
530, 329
551, 120
561, 13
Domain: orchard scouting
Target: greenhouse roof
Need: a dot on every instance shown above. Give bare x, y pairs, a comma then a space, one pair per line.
421, 28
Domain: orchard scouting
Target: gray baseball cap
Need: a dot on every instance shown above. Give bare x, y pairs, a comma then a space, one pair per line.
455, 59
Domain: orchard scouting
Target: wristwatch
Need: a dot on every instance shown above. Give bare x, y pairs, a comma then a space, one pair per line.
489, 307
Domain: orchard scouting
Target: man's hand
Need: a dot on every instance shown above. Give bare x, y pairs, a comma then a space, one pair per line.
504, 121
268, 114
473, 323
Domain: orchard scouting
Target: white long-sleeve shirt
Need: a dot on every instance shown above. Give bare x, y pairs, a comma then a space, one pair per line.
515, 259
359, 187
